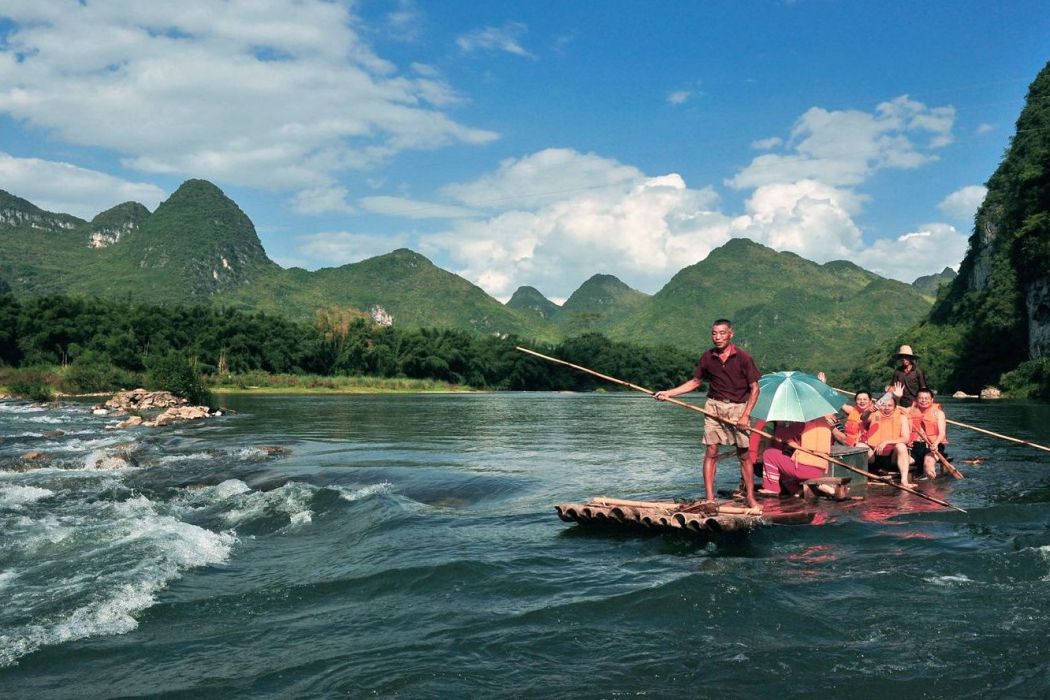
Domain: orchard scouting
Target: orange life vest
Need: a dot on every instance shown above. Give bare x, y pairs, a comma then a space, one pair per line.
816, 436
855, 426
882, 428
927, 420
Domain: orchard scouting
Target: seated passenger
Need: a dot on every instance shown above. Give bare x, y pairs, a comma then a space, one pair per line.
785, 467
888, 434
856, 424
929, 416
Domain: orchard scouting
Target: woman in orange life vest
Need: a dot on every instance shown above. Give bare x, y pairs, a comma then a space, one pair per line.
888, 435
784, 466
856, 424
929, 415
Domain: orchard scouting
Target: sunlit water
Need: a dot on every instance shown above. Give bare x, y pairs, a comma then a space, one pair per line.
407, 546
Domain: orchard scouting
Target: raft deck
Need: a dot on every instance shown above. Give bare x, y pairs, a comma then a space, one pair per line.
698, 517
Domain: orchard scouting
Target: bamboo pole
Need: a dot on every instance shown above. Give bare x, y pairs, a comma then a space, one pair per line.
976, 429
948, 466
730, 423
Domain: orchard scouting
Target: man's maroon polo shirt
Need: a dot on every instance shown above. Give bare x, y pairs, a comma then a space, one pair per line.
730, 381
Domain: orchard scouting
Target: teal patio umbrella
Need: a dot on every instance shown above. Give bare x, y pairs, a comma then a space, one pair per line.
795, 396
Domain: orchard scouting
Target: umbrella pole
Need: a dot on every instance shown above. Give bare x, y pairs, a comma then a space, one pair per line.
730, 423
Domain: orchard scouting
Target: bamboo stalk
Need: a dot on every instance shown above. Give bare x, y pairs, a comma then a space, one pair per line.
730, 423
603, 501
976, 429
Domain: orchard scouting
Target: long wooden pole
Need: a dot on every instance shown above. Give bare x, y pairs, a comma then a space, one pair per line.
975, 428
730, 423
948, 466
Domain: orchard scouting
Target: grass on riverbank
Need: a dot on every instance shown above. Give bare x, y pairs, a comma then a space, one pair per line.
43, 383
262, 383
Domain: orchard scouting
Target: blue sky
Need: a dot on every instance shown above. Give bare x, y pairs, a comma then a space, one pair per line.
530, 143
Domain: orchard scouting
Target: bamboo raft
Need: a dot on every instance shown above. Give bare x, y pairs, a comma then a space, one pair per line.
698, 517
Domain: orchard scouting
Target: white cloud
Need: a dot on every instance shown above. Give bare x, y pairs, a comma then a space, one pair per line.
68, 189
844, 148
340, 248
984, 128
929, 249
767, 144
405, 22
806, 217
544, 177
962, 204
282, 95
678, 97
598, 215
558, 216
320, 200
414, 209
490, 39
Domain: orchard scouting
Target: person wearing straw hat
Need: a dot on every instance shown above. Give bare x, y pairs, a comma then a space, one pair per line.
907, 379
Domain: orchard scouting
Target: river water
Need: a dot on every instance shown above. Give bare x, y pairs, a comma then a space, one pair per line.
407, 546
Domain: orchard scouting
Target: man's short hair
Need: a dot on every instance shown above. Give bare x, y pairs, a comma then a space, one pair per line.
722, 322
925, 390
862, 391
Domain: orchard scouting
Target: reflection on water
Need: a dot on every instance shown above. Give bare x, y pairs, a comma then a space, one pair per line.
408, 545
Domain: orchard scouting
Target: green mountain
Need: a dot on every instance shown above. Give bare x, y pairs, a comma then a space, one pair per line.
931, 284
402, 288
791, 313
994, 317
199, 247
597, 305
530, 300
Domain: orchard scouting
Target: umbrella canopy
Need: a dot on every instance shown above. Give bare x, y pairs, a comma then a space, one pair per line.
795, 396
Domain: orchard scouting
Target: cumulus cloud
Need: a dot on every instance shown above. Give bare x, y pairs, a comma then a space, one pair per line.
844, 148
929, 249
543, 177
68, 189
491, 39
563, 215
340, 248
805, 217
281, 95
962, 204
558, 216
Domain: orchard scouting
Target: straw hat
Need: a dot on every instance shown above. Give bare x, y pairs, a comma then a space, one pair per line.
905, 351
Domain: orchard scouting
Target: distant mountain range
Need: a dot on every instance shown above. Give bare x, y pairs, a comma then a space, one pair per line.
199, 247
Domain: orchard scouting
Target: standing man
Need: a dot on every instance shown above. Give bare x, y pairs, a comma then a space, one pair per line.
907, 379
732, 391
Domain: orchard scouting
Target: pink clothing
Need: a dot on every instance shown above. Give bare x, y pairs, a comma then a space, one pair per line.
779, 472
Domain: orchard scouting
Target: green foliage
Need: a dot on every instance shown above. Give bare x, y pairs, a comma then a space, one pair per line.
91, 372
176, 373
32, 383
1009, 251
1031, 380
937, 347
108, 342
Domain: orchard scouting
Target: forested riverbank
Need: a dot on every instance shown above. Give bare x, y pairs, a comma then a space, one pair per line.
79, 345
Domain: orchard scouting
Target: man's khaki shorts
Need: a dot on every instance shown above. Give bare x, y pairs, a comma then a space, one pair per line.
718, 433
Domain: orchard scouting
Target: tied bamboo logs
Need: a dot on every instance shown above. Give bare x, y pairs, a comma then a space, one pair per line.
694, 518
